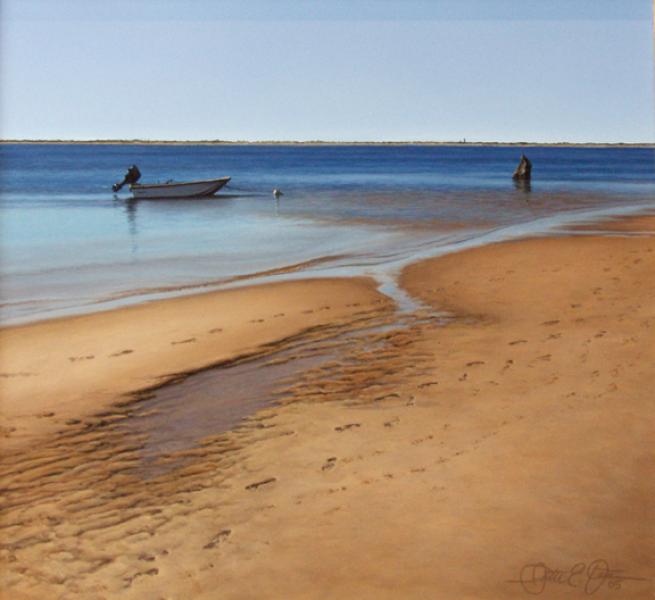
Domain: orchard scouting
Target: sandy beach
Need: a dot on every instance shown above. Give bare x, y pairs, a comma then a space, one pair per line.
57, 370
507, 423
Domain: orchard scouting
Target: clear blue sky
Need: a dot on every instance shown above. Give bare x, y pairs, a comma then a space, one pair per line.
506, 70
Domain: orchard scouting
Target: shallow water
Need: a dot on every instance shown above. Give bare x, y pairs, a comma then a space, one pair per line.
179, 415
69, 245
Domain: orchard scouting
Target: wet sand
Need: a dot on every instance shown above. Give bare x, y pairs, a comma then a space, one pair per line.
431, 459
62, 369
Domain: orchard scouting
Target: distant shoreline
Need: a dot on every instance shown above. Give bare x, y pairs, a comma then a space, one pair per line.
326, 143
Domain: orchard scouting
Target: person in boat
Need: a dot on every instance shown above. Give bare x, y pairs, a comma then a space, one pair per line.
132, 176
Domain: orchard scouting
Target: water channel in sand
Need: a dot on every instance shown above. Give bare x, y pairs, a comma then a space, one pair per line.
177, 416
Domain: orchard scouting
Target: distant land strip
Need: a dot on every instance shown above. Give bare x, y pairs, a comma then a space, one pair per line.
138, 142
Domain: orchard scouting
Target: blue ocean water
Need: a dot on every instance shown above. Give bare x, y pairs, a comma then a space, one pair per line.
68, 244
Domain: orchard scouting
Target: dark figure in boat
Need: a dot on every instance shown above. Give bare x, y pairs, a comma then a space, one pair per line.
132, 176
524, 170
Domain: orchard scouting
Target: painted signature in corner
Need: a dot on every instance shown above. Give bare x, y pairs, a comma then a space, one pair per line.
588, 578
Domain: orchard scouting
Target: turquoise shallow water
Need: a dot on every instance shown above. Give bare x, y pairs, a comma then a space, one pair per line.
69, 245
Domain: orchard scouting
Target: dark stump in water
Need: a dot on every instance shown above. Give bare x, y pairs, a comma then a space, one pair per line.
524, 170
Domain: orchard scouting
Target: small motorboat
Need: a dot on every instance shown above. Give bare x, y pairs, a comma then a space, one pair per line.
170, 189
183, 189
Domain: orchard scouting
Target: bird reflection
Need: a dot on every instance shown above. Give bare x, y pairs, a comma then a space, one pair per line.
276, 194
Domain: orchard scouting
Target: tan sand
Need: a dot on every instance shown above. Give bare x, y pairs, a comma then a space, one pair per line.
432, 461
57, 370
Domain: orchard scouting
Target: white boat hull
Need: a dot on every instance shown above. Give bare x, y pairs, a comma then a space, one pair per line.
189, 189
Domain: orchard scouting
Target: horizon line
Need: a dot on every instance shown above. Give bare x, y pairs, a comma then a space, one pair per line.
462, 142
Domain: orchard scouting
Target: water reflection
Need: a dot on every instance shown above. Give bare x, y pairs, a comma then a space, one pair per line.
523, 185
130, 213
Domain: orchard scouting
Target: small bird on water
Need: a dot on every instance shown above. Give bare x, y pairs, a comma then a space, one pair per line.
277, 193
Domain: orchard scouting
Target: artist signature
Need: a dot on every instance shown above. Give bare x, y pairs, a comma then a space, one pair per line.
586, 577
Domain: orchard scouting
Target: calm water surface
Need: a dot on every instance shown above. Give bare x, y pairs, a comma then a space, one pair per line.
69, 245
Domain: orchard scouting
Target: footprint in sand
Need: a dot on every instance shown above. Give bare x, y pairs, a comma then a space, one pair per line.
79, 358
554, 322
187, 341
475, 363
392, 422
329, 463
464, 377
146, 557
515, 342
421, 440
307, 312
347, 426
257, 320
217, 539
216, 330
278, 315
121, 353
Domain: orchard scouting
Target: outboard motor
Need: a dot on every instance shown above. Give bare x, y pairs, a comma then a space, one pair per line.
132, 176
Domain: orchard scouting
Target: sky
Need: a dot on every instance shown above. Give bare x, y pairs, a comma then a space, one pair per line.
335, 70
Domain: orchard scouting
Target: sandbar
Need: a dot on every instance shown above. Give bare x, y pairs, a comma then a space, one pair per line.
505, 427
